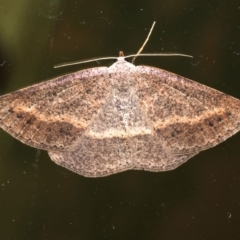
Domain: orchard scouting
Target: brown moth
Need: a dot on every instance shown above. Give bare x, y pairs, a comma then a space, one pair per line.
104, 120
101, 121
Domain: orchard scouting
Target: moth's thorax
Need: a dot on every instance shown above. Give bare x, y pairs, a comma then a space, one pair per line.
122, 74
122, 66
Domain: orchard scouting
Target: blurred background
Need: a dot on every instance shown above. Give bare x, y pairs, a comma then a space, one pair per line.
40, 200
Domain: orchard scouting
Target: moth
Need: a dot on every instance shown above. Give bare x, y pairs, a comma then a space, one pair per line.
101, 121
104, 120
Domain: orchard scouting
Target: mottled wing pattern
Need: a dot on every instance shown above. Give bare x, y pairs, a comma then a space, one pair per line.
101, 121
107, 145
187, 117
96, 157
111, 143
52, 114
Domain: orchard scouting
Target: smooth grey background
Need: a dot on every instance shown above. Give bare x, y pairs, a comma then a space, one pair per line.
40, 200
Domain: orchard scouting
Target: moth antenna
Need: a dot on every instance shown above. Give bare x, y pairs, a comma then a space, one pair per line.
158, 54
121, 54
84, 61
145, 42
